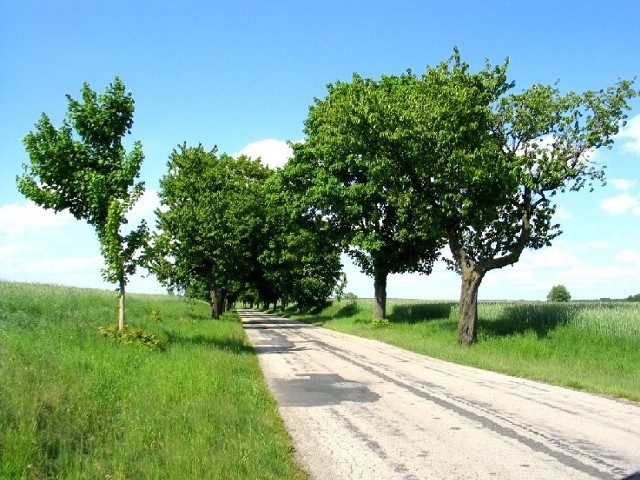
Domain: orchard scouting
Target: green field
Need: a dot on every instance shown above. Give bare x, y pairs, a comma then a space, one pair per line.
74, 404
593, 346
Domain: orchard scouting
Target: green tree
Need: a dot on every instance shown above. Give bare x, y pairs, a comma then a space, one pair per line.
347, 171
558, 293
633, 298
211, 215
299, 258
83, 167
489, 163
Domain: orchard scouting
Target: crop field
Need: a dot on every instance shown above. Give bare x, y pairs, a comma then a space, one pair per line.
593, 346
74, 404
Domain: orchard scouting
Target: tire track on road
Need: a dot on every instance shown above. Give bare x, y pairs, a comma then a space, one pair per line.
369, 384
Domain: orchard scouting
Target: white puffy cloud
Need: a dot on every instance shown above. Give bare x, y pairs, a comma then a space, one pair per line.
556, 256
623, 184
621, 204
16, 218
630, 135
273, 153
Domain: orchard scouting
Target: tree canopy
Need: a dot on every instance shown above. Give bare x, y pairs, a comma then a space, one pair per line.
83, 167
212, 211
402, 165
347, 172
559, 293
299, 257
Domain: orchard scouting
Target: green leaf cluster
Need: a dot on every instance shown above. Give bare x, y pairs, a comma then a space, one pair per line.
84, 168
559, 293
130, 335
401, 166
228, 229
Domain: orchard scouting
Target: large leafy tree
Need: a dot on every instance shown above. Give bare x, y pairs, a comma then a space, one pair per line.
299, 257
489, 163
83, 167
211, 214
347, 171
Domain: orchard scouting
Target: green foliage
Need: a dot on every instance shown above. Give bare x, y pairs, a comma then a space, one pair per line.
558, 293
211, 219
299, 258
155, 315
73, 405
83, 167
133, 335
489, 163
633, 298
380, 323
402, 165
349, 172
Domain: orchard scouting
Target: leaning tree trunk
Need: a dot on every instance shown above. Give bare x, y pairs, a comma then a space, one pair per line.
379, 294
468, 316
121, 306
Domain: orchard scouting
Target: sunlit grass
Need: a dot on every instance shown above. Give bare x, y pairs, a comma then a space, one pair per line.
74, 404
587, 345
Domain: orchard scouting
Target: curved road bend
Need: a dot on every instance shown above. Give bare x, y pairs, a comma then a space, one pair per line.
360, 409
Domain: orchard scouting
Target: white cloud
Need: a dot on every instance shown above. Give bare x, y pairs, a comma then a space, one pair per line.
563, 214
15, 218
38, 245
7, 252
556, 256
628, 256
630, 135
144, 208
597, 245
622, 184
67, 264
621, 204
273, 153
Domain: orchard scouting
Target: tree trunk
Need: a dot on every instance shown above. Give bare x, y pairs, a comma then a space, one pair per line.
380, 294
215, 303
468, 317
121, 306
222, 300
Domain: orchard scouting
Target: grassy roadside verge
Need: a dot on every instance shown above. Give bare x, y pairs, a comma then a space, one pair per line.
588, 346
74, 404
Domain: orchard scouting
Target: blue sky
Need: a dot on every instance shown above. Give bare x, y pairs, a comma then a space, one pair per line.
241, 75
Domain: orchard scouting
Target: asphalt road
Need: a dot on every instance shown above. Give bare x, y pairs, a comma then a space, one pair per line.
361, 409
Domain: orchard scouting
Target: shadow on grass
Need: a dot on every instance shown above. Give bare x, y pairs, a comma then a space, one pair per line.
540, 318
420, 312
235, 345
347, 310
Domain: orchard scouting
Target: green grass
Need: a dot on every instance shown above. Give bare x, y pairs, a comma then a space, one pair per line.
74, 404
591, 346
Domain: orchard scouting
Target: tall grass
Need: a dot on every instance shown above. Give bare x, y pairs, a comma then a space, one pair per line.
76, 405
594, 346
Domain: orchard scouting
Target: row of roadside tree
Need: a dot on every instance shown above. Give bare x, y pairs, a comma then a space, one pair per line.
393, 171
